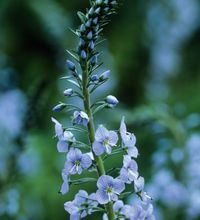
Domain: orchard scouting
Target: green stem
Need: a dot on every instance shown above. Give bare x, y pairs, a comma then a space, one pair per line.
91, 131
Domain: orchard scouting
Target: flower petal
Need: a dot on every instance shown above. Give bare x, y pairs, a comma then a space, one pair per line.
64, 188
133, 151
101, 134
98, 148
71, 208
58, 128
86, 161
62, 147
118, 186
104, 181
102, 197
113, 138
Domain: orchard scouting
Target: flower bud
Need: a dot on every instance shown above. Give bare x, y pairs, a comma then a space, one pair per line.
93, 60
71, 66
80, 118
91, 11
82, 28
68, 92
95, 20
91, 45
88, 24
104, 75
81, 43
97, 11
112, 100
94, 78
89, 35
83, 55
59, 107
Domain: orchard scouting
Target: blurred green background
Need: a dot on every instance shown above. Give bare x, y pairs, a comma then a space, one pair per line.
152, 50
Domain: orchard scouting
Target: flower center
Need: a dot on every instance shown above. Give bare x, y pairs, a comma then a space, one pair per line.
105, 143
109, 191
77, 163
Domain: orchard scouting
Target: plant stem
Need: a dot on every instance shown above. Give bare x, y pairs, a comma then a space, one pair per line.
91, 131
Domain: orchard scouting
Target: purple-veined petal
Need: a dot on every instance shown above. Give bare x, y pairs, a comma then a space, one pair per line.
74, 154
112, 138
81, 197
118, 186
71, 208
102, 197
98, 148
62, 146
124, 175
104, 181
101, 134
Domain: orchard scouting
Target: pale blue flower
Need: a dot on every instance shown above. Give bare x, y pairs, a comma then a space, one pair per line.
129, 171
104, 141
76, 161
80, 118
65, 138
108, 189
129, 140
81, 206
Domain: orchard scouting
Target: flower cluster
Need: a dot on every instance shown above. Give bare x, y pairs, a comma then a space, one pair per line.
103, 143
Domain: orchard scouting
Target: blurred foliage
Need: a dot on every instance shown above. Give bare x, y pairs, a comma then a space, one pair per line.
152, 49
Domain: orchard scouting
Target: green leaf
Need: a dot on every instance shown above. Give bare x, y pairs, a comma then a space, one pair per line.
73, 55
82, 16
99, 108
82, 180
125, 194
74, 32
73, 82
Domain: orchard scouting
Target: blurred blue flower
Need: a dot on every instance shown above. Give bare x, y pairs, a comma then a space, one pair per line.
104, 141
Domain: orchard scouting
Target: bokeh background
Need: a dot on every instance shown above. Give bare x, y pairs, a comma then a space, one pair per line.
152, 50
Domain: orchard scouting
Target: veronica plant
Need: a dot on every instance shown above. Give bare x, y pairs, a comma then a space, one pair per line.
102, 143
